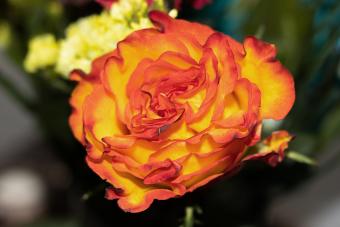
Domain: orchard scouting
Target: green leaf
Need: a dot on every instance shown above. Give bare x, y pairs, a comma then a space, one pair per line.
298, 157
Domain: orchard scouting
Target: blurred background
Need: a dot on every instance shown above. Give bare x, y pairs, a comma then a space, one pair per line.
45, 182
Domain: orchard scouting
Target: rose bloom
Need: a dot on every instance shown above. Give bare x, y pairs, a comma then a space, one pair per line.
176, 106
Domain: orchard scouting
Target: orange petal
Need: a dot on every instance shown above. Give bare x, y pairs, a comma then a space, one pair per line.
79, 94
200, 168
255, 136
241, 107
99, 63
274, 81
100, 120
130, 205
273, 148
225, 135
200, 103
82, 90
120, 141
133, 195
163, 174
169, 25
227, 69
177, 131
137, 47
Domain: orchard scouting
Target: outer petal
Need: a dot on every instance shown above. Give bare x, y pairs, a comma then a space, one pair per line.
273, 148
133, 196
274, 81
79, 94
218, 45
169, 25
100, 120
99, 63
241, 107
199, 168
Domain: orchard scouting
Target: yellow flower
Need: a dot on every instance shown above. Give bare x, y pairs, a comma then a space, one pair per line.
43, 52
87, 39
95, 35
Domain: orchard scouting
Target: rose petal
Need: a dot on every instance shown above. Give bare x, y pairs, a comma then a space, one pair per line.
274, 81
79, 94
134, 196
100, 120
273, 150
168, 25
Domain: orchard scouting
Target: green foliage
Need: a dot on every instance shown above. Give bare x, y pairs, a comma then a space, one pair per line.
298, 157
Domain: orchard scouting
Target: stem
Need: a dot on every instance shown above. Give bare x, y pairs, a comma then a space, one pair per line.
189, 217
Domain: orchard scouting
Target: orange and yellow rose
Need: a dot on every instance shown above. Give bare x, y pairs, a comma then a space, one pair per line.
176, 106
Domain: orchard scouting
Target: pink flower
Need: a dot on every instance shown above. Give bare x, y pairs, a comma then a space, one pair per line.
106, 3
197, 4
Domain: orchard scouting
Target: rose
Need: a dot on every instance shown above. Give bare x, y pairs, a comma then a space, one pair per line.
176, 106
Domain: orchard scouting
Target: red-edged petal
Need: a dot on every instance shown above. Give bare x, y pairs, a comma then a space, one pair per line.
272, 78
133, 196
169, 25
273, 148
79, 94
100, 120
